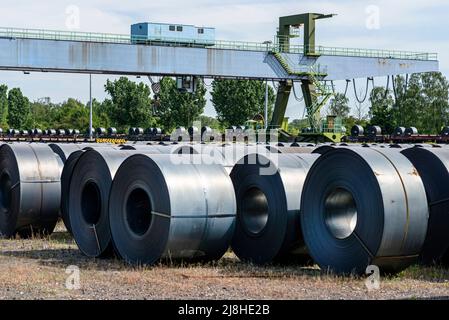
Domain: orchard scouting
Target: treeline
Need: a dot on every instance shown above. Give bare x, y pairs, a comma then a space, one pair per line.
421, 101
131, 104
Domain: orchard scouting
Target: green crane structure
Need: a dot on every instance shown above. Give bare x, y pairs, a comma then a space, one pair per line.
316, 93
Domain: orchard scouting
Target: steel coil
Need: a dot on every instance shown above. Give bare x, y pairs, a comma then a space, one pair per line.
157, 131
100, 131
132, 131
411, 131
90, 184
66, 176
112, 131
154, 215
268, 220
363, 207
374, 131
357, 131
433, 167
399, 131
30, 189
445, 132
193, 131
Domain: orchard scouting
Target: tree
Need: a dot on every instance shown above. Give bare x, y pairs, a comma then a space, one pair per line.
41, 115
71, 114
101, 113
339, 106
130, 104
18, 109
422, 102
381, 111
3, 105
237, 101
209, 122
177, 108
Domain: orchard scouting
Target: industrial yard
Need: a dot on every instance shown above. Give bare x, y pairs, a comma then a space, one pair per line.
146, 159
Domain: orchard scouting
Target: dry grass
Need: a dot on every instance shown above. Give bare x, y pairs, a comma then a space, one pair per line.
35, 269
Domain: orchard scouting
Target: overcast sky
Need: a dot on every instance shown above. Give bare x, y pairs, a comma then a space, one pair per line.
415, 25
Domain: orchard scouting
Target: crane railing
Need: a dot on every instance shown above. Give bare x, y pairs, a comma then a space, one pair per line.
270, 46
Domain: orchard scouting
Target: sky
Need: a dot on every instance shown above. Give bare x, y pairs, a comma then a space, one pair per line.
414, 25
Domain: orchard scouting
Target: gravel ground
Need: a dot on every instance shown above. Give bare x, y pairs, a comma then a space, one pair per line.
36, 269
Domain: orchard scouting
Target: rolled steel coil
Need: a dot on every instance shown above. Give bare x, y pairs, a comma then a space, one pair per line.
374, 131
433, 167
72, 154
37, 132
155, 149
411, 131
157, 131
357, 131
24, 133
112, 131
100, 131
75, 132
149, 131
323, 149
153, 216
60, 132
132, 131
1, 130
30, 189
268, 217
445, 132
90, 184
11, 132
363, 207
51, 132
304, 150
399, 131
65, 150
139, 131
193, 131
66, 176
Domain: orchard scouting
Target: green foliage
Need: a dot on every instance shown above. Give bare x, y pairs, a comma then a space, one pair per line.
209, 122
130, 104
381, 111
237, 101
18, 109
3, 106
71, 114
339, 106
422, 103
297, 125
177, 108
41, 115
351, 121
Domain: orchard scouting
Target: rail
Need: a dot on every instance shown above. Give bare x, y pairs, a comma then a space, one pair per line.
275, 46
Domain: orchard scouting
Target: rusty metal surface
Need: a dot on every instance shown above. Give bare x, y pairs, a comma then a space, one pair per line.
107, 58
